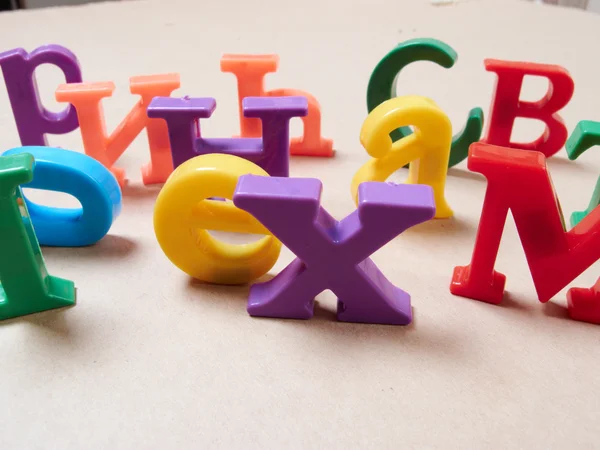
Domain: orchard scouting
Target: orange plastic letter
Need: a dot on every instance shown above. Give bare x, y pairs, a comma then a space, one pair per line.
250, 71
86, 97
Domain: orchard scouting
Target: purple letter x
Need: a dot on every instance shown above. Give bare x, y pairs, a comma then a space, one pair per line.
330, 254
271, 152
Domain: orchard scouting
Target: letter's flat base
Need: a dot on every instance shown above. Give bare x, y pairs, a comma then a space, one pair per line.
299, 148
263, 300
397, 299
463, 285
61, 293
584, 304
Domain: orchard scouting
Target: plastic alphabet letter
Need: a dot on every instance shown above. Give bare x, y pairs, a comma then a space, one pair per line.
184, 212
519, 181
271, 151
330, 254
32, 119
427, 149
26, 287
506, 105
577, 216
586, 135
85, 179
382, 87
250, 71
86, 97
584, 303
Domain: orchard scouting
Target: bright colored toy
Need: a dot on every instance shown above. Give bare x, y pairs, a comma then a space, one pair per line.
383, 81
183, 214
271, 152
86, 97
429, 145
85, 179
519, 181
26, 286
32, 119
578, 216
506, 105
250, 71
585, 136
584, 303
330, 254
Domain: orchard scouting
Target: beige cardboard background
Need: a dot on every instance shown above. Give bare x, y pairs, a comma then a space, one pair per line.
148, 359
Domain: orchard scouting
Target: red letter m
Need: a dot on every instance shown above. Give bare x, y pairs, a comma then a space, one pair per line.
518, 180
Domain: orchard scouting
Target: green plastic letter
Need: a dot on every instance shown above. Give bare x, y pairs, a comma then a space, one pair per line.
25, 287
585, 135
382, 87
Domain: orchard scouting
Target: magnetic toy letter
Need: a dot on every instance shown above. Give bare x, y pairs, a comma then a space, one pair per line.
85, 179
270, 152
32, 119
184, 212
585, 136
519, 181
86, 97
427, 149
382, 87
330, 254
506, 105
26, 287
250, 71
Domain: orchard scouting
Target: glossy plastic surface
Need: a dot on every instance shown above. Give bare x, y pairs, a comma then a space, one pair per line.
32, 119
507, 106
519, 182
250, 71
332, 254
183, 215
271, 151
26, 287
427, 150
585, 136
85, 179
383, 83
584, 303
87, 97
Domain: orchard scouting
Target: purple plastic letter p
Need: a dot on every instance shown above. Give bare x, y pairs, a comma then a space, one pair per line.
32, 119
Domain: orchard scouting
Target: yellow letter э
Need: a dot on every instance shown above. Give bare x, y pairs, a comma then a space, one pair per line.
183, 214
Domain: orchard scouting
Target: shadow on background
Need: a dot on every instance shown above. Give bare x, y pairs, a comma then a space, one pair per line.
109, 247
443, 342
